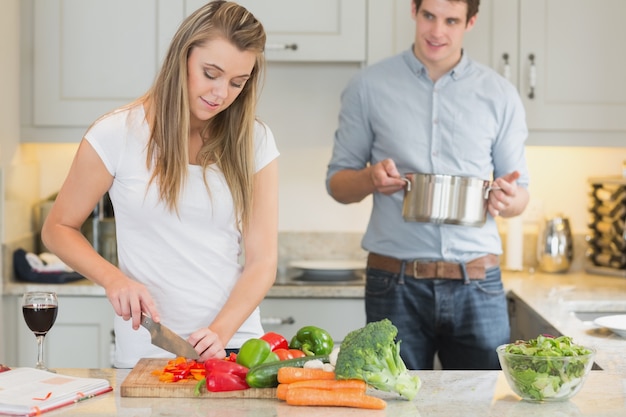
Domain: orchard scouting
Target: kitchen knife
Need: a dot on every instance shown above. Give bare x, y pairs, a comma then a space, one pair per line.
166, 339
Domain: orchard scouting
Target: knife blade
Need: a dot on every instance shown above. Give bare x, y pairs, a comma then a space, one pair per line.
166, 339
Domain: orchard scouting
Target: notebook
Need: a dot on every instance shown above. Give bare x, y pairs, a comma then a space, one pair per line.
30, 392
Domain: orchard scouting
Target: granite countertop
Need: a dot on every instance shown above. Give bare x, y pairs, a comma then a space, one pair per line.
443, 393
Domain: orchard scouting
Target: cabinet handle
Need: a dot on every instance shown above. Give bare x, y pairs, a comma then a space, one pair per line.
506, 67
281, 46
277, 320
532, 77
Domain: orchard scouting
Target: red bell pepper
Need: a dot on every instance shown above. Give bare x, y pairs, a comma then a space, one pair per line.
222, 375
221, 365
225, 381
275, 340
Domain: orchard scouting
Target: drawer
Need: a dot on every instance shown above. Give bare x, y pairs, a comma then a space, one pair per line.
338, 316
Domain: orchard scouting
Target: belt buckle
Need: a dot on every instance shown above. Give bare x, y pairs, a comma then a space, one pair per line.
420, 269
415, 272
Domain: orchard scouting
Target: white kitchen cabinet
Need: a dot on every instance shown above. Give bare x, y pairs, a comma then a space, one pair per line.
561, 55
90, 56
576, 62
309, 30
338, 316
80, 338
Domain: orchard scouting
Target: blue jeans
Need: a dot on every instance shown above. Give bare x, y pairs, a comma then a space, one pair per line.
461, 323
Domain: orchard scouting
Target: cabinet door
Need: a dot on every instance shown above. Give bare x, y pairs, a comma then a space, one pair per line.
91, 56
309, 30
80, 338
579, 61
338, 316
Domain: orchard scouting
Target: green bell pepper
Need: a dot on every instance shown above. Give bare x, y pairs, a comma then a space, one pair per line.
253, 352
312, 341
272, 357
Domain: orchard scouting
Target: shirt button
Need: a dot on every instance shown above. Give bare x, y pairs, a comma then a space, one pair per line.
435, 120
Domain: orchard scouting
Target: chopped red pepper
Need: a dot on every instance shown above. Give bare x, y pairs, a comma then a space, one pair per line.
180, 369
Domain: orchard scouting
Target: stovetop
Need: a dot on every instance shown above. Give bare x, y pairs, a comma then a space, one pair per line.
295, 277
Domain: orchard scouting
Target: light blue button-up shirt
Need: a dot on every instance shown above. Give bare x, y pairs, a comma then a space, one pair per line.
471, 122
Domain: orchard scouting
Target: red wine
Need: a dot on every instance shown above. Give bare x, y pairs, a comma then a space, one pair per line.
40, 318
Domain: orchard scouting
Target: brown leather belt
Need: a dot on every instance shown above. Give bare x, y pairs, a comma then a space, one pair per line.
417, 269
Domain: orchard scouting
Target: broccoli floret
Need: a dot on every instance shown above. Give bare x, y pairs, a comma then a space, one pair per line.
372, 354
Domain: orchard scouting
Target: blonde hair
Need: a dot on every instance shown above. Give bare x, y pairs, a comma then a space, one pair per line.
231, 144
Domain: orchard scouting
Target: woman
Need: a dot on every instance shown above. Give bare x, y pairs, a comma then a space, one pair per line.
193, 179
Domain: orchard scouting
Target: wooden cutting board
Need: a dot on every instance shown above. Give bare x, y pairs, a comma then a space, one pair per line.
141, 383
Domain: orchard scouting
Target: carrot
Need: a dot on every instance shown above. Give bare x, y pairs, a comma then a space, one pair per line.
347, 397
289, 374
330, 384
281, 391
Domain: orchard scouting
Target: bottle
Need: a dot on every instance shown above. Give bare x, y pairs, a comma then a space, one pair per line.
514, 259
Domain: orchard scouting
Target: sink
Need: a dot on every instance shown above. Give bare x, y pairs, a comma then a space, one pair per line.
589, 310
592, 315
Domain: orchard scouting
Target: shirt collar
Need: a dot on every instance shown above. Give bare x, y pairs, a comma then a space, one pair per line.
418, 68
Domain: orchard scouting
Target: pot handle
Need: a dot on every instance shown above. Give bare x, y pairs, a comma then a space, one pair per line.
488, 189
408, 184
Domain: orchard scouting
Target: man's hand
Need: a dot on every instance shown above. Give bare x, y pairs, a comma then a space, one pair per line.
386, 178
506, 199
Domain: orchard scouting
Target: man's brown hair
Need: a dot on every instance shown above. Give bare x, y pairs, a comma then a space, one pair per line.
472, 7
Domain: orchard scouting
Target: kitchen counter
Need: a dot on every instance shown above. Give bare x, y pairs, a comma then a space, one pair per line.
554, 297
443, 393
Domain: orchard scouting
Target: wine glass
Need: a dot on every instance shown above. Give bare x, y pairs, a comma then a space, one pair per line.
40, 311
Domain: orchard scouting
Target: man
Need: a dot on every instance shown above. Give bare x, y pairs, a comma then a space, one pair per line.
431, 109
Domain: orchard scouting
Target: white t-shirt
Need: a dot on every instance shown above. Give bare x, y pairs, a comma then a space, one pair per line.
189, 262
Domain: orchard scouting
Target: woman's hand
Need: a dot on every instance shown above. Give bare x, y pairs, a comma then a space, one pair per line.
129, 299
207, 343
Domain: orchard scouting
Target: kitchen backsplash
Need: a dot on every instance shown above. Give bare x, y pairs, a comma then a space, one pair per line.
319, 245
324, 246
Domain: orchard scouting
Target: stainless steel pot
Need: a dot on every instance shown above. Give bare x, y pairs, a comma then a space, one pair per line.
437, 198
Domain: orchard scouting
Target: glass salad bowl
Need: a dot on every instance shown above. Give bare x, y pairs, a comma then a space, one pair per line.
547, 368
